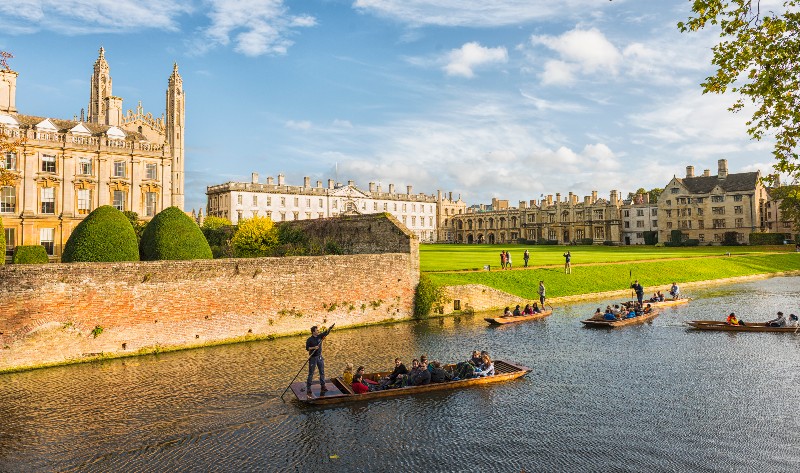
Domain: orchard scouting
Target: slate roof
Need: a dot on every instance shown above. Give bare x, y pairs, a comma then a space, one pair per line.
29, 121
743, 181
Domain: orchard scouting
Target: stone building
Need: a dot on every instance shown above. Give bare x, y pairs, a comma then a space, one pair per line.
563, 221
447, 209
772, 218
63, 169
706, 207
282, 202
639, 216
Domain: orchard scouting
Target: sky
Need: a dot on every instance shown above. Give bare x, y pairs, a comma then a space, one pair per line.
512, 99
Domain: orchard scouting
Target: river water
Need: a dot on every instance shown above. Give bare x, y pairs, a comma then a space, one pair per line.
654, 397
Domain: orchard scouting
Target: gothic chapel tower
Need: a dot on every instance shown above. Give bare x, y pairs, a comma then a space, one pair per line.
175, 128
100, 89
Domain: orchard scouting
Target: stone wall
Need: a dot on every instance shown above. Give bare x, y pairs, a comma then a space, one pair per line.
59, 312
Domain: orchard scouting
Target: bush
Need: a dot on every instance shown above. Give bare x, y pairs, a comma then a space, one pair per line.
173, 235
30, 254
429, 296
542, 241
219, 239
691, 242
104, 235
729, 239
767, 238
677, 236
254, 237
2, 243
585, 241
138, 225
650, 238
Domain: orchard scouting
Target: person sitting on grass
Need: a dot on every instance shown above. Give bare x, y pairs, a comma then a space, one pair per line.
358, 384
732, 320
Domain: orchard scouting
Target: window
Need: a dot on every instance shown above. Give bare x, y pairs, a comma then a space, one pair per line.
385, 206
627, 224
626, 213
669, 202
701, 237
640, 212
600, 233
655, 223
700, 200
395, 207
119, 168
717, 198
335, 204
669, 225
640, 235
718, 210
85, 166
404, 207
701, 224
84, 201
413, 221
10, 241
47, 238
308, 203
48, 195
738, 209
374, 206
151, 171
737, 198
283, 202
239, 199
269, 200
9, 161
8, 199
48, 163
719, 223
717, 237
699, 212
674, 190
640, 224
255, 201
150, 203
297, 202
320, 203
739, 222
669, 213
119, 200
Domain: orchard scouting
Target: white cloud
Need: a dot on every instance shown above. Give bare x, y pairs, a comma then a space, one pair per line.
298, 125
462, 61
587, 51
342, 123
474, 13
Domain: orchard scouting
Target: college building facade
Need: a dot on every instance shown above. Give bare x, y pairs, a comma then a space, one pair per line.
61, 170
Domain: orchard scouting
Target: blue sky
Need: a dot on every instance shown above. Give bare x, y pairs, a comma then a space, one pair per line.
510, 99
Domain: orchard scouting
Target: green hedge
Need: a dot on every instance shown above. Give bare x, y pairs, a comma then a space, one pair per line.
173, 235
767, 238
429, 296
105, 235
2, 243
30, 254
650, 237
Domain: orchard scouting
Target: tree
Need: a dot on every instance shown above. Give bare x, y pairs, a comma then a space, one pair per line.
789, 198
218, 232
757, 58
173, 235
215, 223
655, 193
104, 235
7, 145
254, 237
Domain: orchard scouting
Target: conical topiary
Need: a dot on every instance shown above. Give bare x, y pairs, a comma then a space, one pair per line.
104, 235
173, 235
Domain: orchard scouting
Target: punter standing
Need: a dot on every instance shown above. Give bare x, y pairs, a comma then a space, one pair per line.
541, 293
639, 291
314, 348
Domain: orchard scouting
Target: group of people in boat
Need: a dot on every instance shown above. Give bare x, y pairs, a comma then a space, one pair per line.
780, 321
528, 310
625, 310
421, 373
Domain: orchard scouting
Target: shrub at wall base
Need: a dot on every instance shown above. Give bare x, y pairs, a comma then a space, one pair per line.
173, 235
30, 254
105, 235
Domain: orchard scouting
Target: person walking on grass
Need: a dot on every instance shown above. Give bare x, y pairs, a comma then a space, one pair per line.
503, 260
541, 293
508, 260
525, 257
567, 266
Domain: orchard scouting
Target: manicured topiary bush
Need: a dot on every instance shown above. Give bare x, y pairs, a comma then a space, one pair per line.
104, 235
30, 254
173, 235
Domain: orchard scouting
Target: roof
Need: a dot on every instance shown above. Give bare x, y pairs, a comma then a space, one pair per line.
29, 121
743, 181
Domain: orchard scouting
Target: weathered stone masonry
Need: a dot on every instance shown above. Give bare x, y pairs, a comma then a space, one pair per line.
48, 312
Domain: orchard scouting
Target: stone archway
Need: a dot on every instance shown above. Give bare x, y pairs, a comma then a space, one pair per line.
491, 239
469, 239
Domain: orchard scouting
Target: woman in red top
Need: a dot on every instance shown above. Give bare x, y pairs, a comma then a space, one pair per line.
358, 386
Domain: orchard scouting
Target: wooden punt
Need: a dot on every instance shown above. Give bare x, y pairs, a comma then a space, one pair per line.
620, 323
668, 303
748, 327
522, 318
339, 392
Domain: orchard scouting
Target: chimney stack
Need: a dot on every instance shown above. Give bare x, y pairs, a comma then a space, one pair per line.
533, 203
306, 182
351, 183
689, 171
646, 197
372, 187
614, 197
391, 188
558, 197
379, 189
254, 178
706, 172
549, 199
330, 183
281, 179
408, 190
594, 196
8, 91
319, 184
113, 111
587, 200
270, 180
722, 172
522, 204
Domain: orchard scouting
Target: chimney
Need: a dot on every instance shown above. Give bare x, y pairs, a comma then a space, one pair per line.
330, 183
391, 188
306, 182
254, 178
372, 187
587, 200
351, 183
450, 196
706, 172
594, 196
646, 197
113, 111
522, 204
319, 184
573, 199
722, 172
689, 171
379, 188
439, 196
549, 199
281, 179
495, 203
614, 198
558, 197
408, 190
532, 203
8, 91
270, 180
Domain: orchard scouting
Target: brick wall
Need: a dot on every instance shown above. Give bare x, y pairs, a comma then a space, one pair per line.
48, 312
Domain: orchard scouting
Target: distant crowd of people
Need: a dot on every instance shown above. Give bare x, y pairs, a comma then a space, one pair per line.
625, 310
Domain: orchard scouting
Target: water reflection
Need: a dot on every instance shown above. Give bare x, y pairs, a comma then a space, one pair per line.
664, 397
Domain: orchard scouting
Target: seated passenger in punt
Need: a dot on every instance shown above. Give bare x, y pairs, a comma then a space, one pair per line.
779, 321
420, 375
647, 309
609, 315
439, 374
794, 321
507, 312
487, 366
536, 309
347, 375
476, 358
528, 310
358, 384
372, 385
598, 315
733, 320
517, 312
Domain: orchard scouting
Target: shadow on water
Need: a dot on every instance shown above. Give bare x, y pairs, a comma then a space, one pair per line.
674, 396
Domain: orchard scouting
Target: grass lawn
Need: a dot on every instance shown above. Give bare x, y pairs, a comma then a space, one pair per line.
611, 277
474, 257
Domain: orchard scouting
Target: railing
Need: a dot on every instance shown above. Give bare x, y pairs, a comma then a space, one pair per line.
68, 139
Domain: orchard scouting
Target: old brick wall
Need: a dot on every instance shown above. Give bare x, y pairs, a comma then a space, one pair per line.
48, 312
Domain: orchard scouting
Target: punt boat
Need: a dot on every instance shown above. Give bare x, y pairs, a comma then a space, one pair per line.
747, 327
340, 392
621, 322
521, 318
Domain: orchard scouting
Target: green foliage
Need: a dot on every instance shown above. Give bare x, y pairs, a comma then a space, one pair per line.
138, 225
729, 239
655, 193
173, 235
429, 296
215, 223
676, 236
97, 330
2, 243
789, 197
219, 233
104, 235
254, 237
757, 59
650, 237
30, 254
767, 238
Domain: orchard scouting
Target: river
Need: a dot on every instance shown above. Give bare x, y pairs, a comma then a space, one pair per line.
655, 397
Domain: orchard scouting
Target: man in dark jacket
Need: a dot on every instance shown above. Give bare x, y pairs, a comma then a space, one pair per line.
639, 291
438, 374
